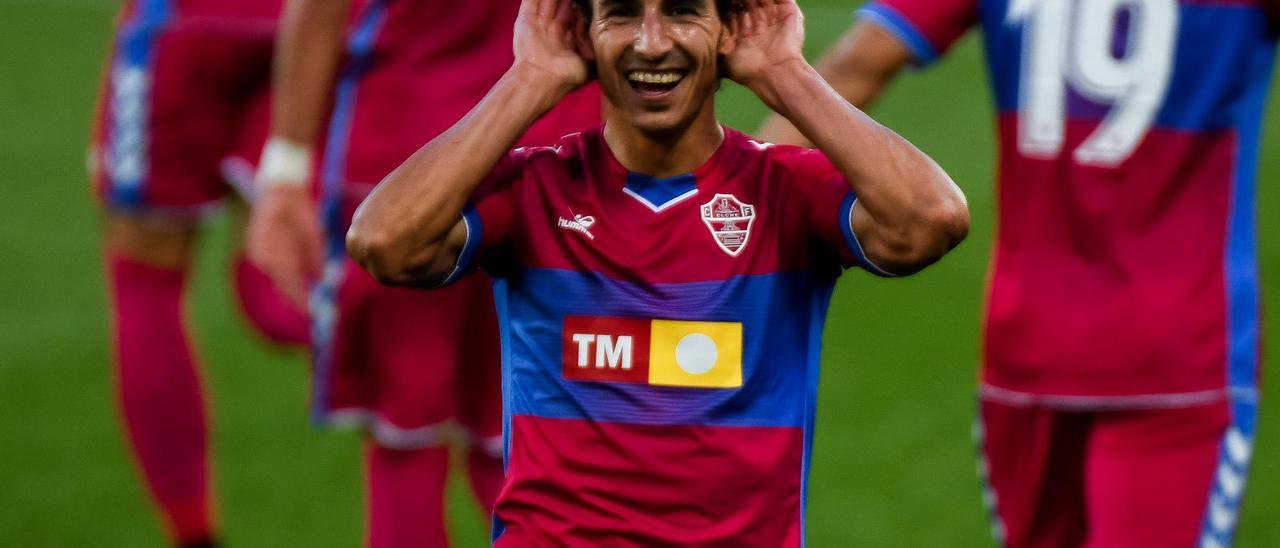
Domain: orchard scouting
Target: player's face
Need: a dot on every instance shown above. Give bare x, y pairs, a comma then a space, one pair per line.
657, 59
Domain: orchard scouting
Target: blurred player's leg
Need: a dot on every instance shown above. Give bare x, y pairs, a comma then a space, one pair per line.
170, 110
158, 387
395, 360
406, 497
1149, 475
1034, 461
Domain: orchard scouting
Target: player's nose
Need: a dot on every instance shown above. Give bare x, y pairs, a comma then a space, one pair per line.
654, 40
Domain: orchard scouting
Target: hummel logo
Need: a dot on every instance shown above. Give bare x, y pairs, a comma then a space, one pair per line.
580, 223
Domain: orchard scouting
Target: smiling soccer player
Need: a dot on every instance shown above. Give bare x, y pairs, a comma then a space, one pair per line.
663, 280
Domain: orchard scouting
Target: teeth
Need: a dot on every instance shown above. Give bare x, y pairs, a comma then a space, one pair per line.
646, 77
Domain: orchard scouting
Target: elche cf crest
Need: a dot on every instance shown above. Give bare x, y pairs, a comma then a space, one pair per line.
730, 222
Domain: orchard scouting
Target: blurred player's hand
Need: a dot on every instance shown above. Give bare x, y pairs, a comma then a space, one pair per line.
286, 241
763, 35
546, 38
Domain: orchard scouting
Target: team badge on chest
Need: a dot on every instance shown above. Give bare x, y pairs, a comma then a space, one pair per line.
729, 221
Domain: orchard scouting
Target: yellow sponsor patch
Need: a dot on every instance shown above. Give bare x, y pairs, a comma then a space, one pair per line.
699, 354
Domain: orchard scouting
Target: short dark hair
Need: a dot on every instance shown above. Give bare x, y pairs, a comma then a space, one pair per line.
723, 7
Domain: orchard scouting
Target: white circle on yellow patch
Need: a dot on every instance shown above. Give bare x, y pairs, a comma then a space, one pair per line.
696, 353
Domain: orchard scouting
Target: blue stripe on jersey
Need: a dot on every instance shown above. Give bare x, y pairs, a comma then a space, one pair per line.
475, 232
821, 301
780, 314
138, 40
1243, 335
500, 299
128, 140
851, 239
1241, 261
889, 19
324, 295
1203, 79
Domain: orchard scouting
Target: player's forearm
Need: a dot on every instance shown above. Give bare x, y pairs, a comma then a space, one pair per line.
911, 211
308, 51
400, 233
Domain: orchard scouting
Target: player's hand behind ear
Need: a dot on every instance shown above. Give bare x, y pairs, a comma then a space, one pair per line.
763, 34
547, 38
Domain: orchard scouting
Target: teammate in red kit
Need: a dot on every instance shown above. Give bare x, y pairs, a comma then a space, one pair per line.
1119, 388
183, 113
412, 368
662, 280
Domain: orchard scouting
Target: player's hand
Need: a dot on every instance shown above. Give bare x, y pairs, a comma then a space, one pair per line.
285, 240
765, 35
546, 40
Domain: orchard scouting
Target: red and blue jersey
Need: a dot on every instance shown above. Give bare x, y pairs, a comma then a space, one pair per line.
223, 16
1125, 268
660, 339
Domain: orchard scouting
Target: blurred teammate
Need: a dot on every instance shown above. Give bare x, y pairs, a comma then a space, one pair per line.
411, 367
1119, 393
183, 112
664, 280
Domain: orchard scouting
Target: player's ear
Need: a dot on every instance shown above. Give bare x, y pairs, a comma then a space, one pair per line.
582, 34
728, 33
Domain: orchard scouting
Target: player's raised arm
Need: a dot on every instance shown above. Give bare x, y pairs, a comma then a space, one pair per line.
858, 67
284, 234
409, 230
909, 212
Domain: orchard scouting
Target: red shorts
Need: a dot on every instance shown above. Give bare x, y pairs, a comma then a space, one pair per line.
416, 368
183, 112
1116, 478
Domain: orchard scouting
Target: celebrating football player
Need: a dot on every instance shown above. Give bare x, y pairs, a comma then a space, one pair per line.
664, 279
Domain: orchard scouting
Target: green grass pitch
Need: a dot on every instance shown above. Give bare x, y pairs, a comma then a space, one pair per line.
893, 462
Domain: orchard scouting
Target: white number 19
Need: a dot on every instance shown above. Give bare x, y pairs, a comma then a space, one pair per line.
1065, 46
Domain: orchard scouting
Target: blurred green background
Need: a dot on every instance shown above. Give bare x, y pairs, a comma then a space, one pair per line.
893, 464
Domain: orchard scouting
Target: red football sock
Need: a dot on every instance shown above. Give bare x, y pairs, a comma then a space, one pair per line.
159, 392
486, 476
272, 314
406, 497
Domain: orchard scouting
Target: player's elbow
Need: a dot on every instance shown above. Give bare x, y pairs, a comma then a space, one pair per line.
386, 257
948, 220
936, 228
943, 225
373, 250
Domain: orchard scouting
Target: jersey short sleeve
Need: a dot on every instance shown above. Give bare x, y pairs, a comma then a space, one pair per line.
828, 202
490, 215
927, 27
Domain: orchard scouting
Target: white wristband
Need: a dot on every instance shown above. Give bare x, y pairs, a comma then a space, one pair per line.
284, 163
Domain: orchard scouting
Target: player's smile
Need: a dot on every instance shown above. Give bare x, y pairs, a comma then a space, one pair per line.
655, 86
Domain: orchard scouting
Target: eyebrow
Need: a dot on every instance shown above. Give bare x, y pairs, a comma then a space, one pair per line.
701, 4
605, 4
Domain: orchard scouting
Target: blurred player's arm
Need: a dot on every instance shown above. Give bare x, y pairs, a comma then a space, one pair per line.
909, 212
409, 231
859, 67
284, 234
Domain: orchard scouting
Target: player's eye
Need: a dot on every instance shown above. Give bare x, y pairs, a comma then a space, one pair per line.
684, 8
620, 9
